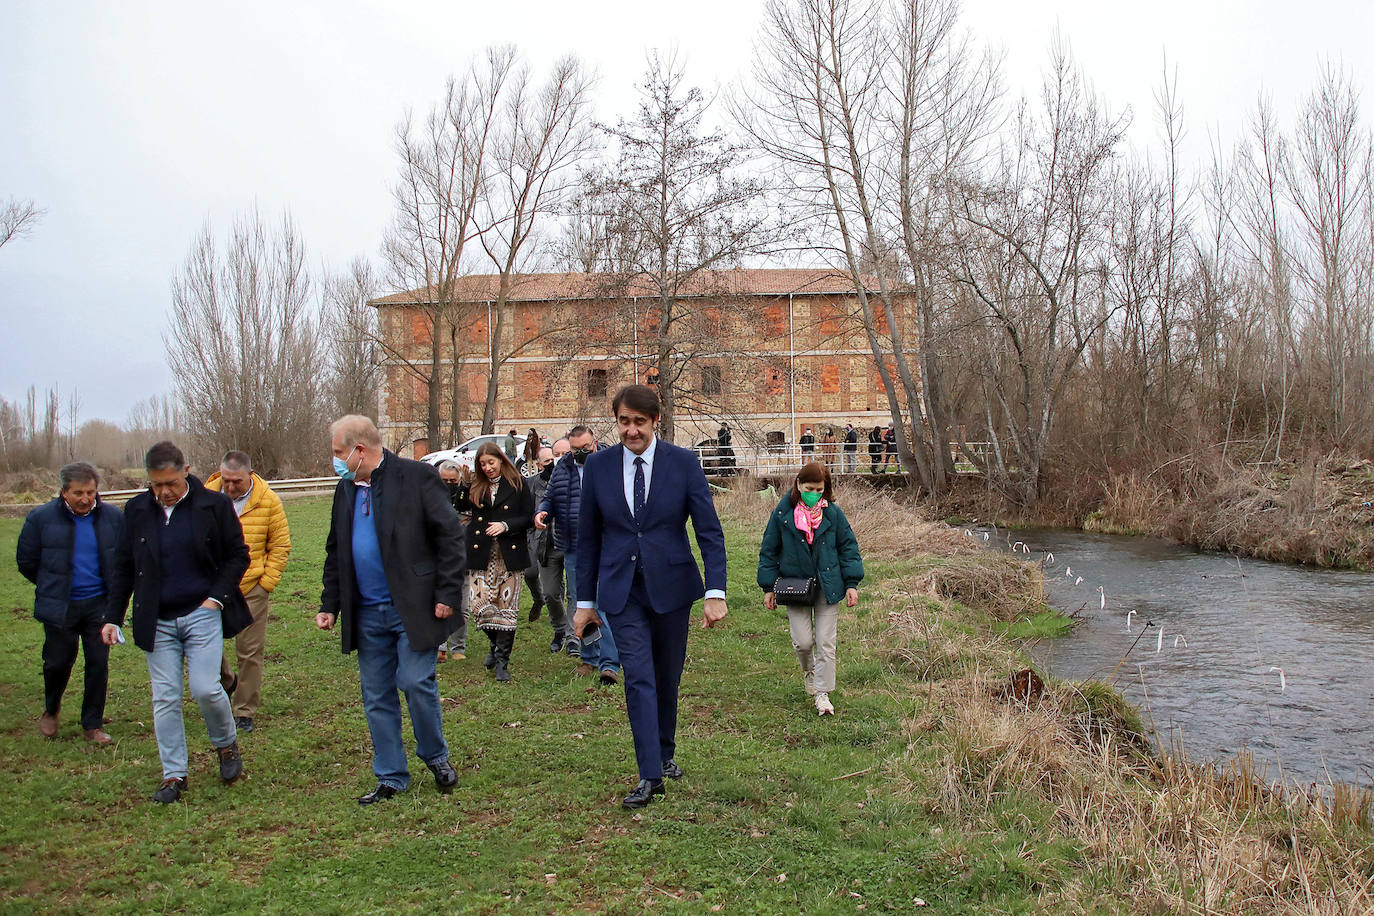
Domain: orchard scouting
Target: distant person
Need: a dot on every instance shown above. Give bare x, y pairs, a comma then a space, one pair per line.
393, 582
636, 570
548, 559
807, 443
268, 536
533, 443
875, 449
830, 449
890, 449
67, 550
508, 445
561, 508
181, 558
809, 538
455, 478
497, 552
851, 448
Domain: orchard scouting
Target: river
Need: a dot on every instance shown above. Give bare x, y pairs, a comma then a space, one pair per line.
1213, 683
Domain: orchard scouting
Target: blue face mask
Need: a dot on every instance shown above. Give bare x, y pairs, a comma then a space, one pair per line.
341, 468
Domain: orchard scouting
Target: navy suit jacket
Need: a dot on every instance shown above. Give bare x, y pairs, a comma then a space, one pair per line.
611, 543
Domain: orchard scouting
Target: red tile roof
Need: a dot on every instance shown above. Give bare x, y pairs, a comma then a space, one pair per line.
548, 287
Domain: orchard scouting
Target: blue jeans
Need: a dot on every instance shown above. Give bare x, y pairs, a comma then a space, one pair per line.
601, 654
198, 639
386, 663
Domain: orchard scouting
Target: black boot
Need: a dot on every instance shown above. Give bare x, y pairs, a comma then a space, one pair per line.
493, 654
502, 643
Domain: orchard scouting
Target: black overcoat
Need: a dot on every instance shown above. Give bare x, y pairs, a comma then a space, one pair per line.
516, 509
422, 552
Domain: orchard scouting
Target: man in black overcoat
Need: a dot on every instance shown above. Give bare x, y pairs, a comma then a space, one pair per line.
393, 583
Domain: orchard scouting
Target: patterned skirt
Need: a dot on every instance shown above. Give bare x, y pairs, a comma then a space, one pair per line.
494, 595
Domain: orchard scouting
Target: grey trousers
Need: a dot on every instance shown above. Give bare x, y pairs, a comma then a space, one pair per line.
815, 631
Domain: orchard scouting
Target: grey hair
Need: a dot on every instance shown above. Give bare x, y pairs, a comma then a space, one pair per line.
78, 472
450, 465
356, 429
235, 461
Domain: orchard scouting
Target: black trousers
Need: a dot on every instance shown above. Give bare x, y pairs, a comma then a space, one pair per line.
502, 642
60, 644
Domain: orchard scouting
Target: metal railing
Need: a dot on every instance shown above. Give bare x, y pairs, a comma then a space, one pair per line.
779, 460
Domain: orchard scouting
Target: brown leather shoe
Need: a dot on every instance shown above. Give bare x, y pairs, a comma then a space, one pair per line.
47, 725
584, 670
98, 736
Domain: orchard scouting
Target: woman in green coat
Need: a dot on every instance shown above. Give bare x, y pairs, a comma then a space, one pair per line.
809, 537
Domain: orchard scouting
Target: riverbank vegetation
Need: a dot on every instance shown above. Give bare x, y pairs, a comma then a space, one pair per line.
952, 776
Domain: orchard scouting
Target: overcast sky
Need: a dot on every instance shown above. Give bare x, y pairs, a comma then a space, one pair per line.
133, 123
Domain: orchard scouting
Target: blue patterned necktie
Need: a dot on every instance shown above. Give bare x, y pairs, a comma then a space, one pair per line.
639, 486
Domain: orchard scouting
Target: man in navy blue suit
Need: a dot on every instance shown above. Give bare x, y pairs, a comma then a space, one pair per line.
635, 565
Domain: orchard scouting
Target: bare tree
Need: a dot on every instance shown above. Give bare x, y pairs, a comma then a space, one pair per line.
352, 352
680, 211
444, 173
541, 137
870, 108
244, 347
17, 219
1030, 249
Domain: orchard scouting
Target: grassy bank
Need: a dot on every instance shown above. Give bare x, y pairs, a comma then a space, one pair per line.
1317, 511
939, 780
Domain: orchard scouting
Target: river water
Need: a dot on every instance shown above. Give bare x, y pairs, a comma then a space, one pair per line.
1209, 684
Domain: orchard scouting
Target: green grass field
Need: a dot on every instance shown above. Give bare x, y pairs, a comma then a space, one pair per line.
780, 810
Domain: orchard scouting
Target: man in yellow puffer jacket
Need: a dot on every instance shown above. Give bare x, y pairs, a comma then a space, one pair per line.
269, 544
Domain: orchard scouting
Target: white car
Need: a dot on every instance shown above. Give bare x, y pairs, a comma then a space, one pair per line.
466, 454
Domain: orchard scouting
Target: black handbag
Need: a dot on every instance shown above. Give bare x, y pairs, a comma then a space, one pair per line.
796, 591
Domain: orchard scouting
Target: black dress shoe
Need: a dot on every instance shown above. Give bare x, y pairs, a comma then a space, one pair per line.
672, 770
244, 724
169, 790
445, 777
381, 793
557, 644
643, 793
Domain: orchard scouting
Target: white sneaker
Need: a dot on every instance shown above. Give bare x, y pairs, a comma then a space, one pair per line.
809, 679
823, 705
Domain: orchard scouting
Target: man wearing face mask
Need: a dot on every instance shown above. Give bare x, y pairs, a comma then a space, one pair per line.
451, 473
67, 550
394, 568
560, 508
544, 584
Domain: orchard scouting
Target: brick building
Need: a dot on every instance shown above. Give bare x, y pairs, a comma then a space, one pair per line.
764, 350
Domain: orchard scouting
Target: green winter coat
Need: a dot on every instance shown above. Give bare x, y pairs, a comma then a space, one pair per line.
833, 558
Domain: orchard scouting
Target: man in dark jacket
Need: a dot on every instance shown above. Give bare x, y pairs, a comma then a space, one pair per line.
67, 550
851, 448
560, 508
544, 580
181, 558
393, 581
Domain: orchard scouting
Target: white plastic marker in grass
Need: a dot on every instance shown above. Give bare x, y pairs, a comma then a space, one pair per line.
1159, 643
1049, 558
1129, 615
1078, 581
1016, 548
1177, 638
1102, 596
1068, 572
1283, 682
985, 537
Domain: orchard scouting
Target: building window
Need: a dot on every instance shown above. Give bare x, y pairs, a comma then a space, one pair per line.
710, 380
773, 379
596, 383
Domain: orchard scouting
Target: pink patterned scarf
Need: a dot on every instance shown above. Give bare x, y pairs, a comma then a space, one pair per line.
808, 520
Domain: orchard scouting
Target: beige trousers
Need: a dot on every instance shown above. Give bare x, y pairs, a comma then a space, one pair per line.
815, 631
251, 645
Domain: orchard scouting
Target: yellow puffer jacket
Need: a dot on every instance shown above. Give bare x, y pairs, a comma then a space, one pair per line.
265, 530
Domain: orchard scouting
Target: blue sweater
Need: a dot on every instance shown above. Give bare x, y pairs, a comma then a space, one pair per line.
87, 582
367, 552
183, 584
